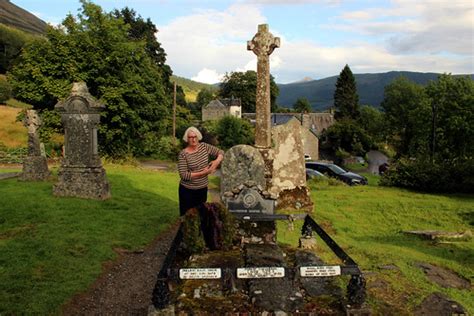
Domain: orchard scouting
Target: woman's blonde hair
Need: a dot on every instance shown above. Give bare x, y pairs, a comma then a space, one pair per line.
194, 130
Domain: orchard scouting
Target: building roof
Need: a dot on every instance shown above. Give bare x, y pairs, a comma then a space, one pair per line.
214, 104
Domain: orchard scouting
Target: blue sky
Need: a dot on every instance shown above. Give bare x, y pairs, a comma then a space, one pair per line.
206, 39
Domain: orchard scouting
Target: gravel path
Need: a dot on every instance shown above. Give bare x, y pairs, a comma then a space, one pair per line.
125, 285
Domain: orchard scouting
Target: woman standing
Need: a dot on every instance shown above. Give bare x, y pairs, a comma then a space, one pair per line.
193, 168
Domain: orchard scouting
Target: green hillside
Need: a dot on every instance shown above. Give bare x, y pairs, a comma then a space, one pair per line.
191, 88
370, 88
18, 18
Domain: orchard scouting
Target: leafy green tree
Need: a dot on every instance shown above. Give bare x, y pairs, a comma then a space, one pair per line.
243, 85
5, 89
95, 47
233, 131
452, 117
407, 114
346, 99
203, 98
372, 120
347, 135
302, 105
141, 30
11, 42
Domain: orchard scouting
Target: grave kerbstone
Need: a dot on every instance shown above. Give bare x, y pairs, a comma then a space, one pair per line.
35, 165
273, 293
81, 173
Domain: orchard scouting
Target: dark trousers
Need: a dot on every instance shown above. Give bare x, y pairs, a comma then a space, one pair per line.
189, 198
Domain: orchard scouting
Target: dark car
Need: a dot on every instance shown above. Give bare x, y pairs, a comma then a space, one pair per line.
334, 171
311, 174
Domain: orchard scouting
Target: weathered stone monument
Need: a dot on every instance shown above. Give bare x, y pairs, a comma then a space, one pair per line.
81, 173
283, 153
35, 165
263, 44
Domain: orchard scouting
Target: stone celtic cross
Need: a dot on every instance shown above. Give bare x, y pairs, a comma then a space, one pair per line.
263, 44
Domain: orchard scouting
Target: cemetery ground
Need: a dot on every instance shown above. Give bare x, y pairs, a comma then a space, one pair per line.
54, 250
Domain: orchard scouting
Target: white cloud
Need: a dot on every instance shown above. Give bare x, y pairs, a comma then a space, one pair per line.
426, 37
210, 39
428, 27
208, 76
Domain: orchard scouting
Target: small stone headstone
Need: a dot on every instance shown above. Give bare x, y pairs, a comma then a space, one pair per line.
35, 165
81, 173
241, 164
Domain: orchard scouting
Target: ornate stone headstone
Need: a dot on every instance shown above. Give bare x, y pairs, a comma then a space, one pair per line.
81, 173
263, 44
35, 165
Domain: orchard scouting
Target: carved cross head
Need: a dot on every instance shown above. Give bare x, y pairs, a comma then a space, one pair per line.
263, 43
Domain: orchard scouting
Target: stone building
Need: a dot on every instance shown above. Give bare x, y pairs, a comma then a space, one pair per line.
217, 109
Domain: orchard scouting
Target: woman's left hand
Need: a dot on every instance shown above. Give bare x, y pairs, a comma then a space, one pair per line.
213, 166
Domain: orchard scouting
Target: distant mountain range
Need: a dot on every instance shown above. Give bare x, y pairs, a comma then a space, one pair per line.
14, 16
370, 87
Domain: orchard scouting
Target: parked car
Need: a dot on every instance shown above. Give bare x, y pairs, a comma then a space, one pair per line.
307, 157
334, 171
311, 174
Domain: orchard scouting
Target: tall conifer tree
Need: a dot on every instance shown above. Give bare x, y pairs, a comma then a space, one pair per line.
346, 99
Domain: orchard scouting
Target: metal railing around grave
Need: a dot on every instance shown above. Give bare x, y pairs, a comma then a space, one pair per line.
355, 289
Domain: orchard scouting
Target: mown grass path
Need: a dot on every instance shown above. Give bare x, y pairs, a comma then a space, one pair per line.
52, 248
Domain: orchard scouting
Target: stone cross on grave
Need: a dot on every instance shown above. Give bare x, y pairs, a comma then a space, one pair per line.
263, 44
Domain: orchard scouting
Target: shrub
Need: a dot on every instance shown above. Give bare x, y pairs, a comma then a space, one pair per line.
422, 175
210, 225
5, 90
164, 148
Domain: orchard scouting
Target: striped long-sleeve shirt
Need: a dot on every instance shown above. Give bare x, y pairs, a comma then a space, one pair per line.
194, 162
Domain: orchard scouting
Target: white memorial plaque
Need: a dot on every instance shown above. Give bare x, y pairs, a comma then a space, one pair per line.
260, 272
200, 273
320, 271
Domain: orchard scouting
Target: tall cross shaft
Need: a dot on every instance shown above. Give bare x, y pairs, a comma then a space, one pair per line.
263, 44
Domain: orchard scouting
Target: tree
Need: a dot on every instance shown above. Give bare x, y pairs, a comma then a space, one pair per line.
407, 114
11, 42
141, 30
346, 99
233, 131
372, 121
347, 135
203, 98
5, 89
95, 47
302, 105
452, 117
243, 85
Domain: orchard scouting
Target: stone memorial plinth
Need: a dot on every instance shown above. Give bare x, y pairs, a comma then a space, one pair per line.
81, 173
289, 174
35, 165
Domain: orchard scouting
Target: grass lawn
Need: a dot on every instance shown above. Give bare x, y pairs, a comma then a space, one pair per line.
52, 248
366, 221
